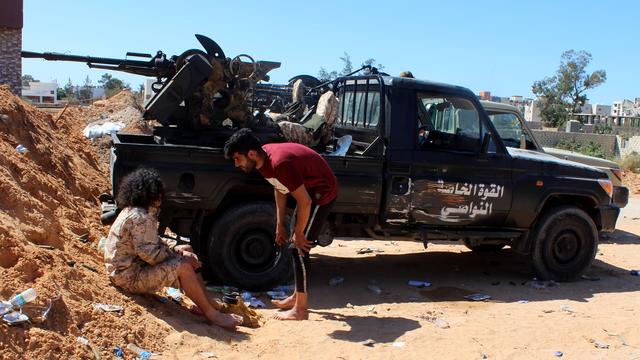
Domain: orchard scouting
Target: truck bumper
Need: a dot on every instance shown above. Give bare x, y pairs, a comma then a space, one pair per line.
608, 218
620, 196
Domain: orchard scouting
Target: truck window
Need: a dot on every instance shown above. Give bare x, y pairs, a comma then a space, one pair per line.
510, 129
359, 103
448, 123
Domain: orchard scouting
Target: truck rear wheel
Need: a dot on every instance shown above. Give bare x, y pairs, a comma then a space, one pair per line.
242, 251
565, 244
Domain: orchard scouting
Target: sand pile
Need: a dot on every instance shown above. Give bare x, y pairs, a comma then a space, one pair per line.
632, 181
48, 204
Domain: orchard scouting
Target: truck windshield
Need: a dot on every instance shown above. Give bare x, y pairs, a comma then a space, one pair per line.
509, 127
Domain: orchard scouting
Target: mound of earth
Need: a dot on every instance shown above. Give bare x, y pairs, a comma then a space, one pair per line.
632, 181
49, 229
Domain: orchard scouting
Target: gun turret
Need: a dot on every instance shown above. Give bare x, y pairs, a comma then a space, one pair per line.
196, 90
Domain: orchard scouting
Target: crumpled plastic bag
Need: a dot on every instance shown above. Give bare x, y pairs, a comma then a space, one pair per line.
250, 318
94, 130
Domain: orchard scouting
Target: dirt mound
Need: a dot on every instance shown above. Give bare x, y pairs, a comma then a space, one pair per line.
632, 181
48, 204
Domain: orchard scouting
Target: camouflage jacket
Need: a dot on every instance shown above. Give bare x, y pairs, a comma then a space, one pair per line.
133, 241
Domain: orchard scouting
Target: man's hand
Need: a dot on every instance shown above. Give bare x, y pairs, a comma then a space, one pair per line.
301, 242
281, 235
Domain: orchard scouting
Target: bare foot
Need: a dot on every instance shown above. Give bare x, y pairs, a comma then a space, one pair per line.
286, 303
227, 321
293, 314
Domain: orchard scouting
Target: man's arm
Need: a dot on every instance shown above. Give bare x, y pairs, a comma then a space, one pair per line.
281, 208
146, 242
303, 210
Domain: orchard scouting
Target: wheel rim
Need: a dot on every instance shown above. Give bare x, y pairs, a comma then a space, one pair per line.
255, 251
566, 246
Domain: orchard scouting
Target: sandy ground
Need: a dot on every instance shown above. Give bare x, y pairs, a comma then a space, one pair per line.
519, 322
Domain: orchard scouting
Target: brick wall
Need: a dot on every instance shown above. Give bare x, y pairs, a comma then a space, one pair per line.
10, 60
552, 138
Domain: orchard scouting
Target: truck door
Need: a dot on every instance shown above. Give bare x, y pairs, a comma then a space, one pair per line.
454, 180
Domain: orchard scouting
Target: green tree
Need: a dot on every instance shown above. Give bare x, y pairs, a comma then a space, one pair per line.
86, 91
347, 68
564, 93
26, 79
61, 93
112, 85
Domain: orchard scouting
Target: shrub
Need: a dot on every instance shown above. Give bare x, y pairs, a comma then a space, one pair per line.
631, 162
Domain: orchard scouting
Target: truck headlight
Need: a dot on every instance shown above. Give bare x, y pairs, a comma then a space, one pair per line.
607, 186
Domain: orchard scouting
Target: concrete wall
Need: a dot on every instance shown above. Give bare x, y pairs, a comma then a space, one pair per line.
629, 146
10, 60
552, 138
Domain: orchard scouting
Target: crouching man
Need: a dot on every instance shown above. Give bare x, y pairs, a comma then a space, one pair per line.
140, 262
297, 170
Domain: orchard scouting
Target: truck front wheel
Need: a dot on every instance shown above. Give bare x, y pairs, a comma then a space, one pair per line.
565, 244
242, 251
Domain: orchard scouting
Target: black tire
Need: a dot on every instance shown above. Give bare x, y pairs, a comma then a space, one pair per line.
482, 248
565, 244
242, 251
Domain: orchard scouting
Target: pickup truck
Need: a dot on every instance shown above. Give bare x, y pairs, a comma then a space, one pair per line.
425, 162
515, 132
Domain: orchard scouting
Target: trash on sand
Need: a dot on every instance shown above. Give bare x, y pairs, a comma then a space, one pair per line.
84, 238
117, 352
477, 297
375, 289
539, 285
21, 149
336, 281
206, 354
635, 272
523, 301
15, 318
364, 251
174, 294
109, 308
142, 353
442, 324
277, 295
256, 304
558, 353
84, 341
221, 289
97, 130
399, 344
90, 268
5, 307
372, 310
349, 306
567, 308
24, 297
284, 288
368, 342
4, 118
420, 284
48, 247
601, 345
391, 243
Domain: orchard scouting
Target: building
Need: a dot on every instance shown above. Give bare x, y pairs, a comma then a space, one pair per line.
11, 44
41, 92
532, 111
485, 95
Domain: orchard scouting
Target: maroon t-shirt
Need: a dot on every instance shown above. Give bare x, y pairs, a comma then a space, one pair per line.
289, 165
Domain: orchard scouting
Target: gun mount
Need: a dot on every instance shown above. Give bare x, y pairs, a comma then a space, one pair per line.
195, 91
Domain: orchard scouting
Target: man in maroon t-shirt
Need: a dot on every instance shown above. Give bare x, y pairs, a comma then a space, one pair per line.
297, 170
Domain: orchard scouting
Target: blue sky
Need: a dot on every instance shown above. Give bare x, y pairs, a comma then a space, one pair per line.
500, 46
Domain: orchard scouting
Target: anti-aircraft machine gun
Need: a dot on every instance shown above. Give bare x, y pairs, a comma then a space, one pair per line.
195, 92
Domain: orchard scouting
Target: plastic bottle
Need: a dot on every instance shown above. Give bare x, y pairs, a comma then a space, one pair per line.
142, 353
23, 298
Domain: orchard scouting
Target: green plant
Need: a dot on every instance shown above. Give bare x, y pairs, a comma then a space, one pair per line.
631, 162
591, 148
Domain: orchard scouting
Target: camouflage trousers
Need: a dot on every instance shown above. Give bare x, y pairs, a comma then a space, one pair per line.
148, 279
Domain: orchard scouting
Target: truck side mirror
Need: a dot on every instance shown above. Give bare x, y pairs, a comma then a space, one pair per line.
486, 140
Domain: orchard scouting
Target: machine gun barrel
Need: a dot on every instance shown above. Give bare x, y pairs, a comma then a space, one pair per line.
158, 66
